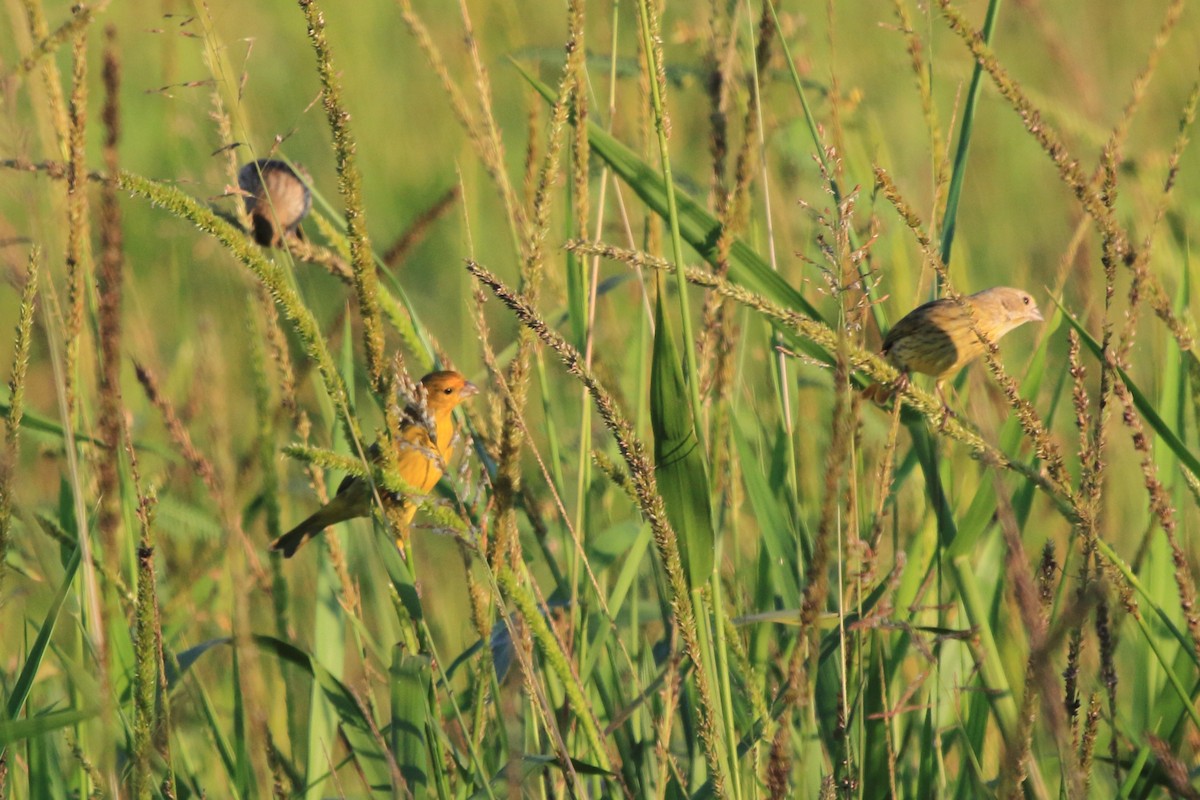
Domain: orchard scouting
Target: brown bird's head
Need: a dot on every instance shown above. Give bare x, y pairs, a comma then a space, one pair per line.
446, 389
1001, 308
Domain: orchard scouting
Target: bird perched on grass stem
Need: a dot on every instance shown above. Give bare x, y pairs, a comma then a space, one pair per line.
277, 199
937, 339
419, 460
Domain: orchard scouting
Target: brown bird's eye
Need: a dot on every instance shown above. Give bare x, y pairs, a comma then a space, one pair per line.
447, 390
1025, 300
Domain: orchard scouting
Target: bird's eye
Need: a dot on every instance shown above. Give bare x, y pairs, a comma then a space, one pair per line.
447, 390
1025, 299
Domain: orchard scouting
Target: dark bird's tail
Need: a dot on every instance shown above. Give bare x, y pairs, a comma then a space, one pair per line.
346, 505
878, 393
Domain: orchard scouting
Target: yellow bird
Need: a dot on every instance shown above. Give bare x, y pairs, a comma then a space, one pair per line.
936, 338
419, 461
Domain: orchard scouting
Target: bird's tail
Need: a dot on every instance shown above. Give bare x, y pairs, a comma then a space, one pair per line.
342, 507
878, 393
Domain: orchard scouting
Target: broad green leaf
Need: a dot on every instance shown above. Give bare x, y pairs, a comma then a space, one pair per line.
410, 679
351, 715
329, 623
780, 539
14, 730
678, 460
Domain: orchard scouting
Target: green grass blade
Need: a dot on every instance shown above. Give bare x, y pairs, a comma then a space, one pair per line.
33, 661
14, 730
410, 680
950, 220
357, 728
243, 774
779, 537
678, 461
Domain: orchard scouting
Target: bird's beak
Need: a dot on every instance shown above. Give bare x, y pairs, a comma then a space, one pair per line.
1036, 315
468, 390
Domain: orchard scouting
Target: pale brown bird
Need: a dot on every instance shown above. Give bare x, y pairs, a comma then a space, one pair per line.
277, 199
419, 460
936, 338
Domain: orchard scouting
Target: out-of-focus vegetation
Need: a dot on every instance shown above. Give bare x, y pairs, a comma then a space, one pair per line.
677, 554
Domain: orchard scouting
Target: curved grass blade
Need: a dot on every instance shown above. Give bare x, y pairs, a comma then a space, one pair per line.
410, 681
358, 730
24, 682
15, 730
678, 459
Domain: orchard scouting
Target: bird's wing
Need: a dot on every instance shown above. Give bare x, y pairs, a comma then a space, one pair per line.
418, 462
372, 456
911, 323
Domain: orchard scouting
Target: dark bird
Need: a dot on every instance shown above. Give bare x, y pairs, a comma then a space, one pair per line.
277, 199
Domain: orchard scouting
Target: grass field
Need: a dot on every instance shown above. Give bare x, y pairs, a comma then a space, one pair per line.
677, 553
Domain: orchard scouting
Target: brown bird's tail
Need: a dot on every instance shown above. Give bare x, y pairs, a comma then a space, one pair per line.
346, 505
878, 393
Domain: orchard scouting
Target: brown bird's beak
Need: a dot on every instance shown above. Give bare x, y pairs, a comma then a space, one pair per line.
468, 390
1035, 314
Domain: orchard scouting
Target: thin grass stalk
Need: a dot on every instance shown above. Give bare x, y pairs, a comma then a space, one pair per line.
180, 205
16, 406
109, 288
77, 213
580, 290
650, 502
921, 72
87, 596
950, 218
651, 45
1092, 473
1088, 740
870, 364
754, 127
507, 485
827, 170
556, 660
493, 144
1031, 422
82, 16
267, 461
713, 333
1047, 137
816, 588
350, 188
147, 636
1085, 529
483, 136
577, 75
